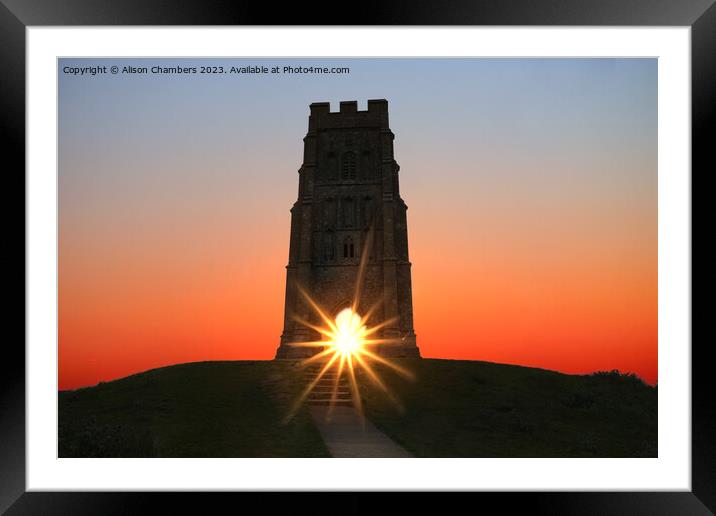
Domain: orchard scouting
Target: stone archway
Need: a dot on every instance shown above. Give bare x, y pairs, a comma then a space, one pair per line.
339, 307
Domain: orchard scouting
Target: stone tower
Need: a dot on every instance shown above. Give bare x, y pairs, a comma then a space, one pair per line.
349, 200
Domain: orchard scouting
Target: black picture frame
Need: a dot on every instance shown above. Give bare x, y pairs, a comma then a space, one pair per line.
700, 15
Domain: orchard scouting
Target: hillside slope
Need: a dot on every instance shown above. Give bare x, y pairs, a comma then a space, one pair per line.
201, 409
450, 409
459, 408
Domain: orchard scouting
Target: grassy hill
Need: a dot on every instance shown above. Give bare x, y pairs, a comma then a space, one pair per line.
202, 409
479, 409
450, 409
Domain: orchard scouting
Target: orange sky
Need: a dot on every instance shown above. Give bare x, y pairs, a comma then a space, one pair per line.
532, 229
507, 285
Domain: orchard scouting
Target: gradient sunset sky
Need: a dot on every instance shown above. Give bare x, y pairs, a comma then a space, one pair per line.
532, 221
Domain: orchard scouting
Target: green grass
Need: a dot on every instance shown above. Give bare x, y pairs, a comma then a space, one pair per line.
451, 409
204, 409
478, 409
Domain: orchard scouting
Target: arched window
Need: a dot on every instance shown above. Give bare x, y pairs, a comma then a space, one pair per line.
365, 165
348, 249
328, 246
348, 165
349, 211
329, 213
331, 169
368, 209
369, 244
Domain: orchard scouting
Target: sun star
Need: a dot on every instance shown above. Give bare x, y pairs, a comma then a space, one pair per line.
349, 335
346, 343
345, 347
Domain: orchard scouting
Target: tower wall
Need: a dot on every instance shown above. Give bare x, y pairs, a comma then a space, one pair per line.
348, 195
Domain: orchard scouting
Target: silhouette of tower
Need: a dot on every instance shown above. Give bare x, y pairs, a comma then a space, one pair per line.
349, 203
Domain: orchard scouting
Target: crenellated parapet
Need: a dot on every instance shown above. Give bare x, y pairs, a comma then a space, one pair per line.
349, 202
348, 115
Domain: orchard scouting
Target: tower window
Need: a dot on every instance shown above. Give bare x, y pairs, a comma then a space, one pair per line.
329, 213
328, 246
328, 171
367, 211
348, 249
348, 212
349, 165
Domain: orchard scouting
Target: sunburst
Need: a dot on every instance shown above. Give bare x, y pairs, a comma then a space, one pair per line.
347, 344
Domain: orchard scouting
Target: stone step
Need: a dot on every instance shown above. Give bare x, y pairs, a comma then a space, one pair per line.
328, 396
329, 392
324, 378
329, 388
337, 403
328, 380
322, 394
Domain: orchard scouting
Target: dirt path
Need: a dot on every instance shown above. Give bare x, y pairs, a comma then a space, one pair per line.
347, 436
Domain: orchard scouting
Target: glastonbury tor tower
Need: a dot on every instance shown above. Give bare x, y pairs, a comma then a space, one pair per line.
349, 200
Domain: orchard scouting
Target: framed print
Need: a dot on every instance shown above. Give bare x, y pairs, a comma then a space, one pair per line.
226, 290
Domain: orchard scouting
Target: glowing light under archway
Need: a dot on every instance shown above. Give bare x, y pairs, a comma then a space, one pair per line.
350, 332
347, 343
